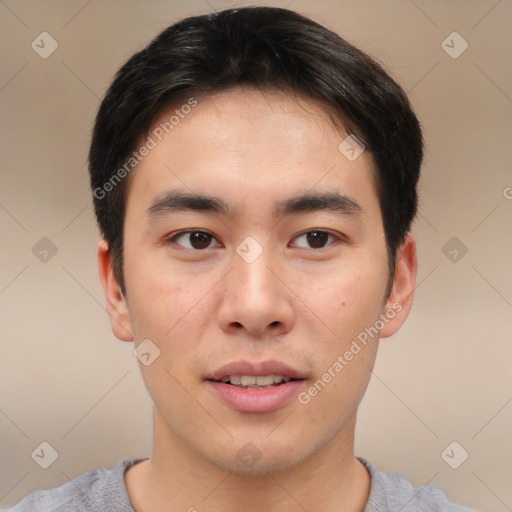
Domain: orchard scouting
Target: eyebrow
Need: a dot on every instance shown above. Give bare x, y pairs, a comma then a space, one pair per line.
175, 201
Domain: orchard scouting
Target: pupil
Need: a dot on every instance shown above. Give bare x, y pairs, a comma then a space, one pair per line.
317, 238
200, 240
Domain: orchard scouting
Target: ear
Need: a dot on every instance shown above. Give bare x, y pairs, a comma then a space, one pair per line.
399, 302
116, 303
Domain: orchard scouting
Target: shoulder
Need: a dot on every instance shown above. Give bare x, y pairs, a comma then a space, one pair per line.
390, 492
100, 490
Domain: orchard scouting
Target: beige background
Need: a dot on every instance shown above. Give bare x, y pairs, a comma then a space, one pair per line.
446, 376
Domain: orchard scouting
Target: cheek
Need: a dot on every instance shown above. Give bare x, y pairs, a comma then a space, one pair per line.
158, 298
350, 307
347, 309
335, 395
172, 311
345, 300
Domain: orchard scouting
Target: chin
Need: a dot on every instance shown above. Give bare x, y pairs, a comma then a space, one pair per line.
261, 468
257, 459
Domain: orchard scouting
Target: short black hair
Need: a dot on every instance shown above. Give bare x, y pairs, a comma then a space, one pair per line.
265, 48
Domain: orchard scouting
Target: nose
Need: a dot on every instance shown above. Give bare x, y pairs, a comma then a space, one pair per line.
256, 301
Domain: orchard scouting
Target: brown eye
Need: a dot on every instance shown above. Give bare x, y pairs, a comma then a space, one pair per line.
197, 240
315, 239
200, 240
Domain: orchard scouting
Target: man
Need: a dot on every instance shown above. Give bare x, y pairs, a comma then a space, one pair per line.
254, 180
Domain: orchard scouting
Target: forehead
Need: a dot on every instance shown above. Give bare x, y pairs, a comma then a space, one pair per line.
247, 139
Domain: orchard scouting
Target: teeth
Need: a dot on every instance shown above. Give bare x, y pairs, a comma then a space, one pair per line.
247, 380
267, 380
251, 380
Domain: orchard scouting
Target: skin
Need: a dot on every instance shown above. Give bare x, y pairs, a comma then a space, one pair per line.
296, 303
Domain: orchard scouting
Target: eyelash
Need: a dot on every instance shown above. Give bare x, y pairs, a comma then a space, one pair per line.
172, 239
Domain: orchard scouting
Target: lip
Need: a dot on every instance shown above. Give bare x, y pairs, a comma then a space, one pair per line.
257, 400
257, 369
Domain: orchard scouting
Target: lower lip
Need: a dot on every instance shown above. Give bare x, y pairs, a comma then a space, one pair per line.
257, 400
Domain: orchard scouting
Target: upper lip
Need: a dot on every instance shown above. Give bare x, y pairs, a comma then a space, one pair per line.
256, 369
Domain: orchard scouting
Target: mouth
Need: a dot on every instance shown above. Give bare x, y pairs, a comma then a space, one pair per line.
255, 382
259, 387
263, 373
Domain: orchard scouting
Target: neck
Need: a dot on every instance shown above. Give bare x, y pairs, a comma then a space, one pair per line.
178, 478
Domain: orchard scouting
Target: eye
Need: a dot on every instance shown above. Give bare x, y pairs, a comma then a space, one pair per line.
316, 238
198, 240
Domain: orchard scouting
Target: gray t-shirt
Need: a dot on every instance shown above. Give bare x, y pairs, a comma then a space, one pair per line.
103, 490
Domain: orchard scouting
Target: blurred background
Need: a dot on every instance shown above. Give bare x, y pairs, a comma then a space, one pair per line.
439, 406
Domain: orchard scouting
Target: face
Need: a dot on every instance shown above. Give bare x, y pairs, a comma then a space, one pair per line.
284, 259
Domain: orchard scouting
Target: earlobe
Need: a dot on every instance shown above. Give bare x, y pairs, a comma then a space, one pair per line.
116, 302
400, 299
